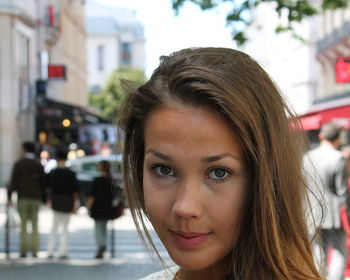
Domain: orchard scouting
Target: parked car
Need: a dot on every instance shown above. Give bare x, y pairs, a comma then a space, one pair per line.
86, 170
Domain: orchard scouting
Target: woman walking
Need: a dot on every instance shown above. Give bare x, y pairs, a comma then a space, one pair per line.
99, 202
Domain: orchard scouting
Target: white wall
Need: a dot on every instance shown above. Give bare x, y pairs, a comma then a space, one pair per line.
126, 31
111, 58
138, 54
290, 63
27, 7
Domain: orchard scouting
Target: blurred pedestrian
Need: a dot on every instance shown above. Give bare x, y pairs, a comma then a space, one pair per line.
49, 164
63, 197
99, 202
327, 171
27, 180
47, 161
346, 154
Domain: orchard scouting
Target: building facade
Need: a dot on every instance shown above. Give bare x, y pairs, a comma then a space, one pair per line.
68, 49
332, 101
313, 73
333, 43
36, 34
291, 62
115, 39
17, 79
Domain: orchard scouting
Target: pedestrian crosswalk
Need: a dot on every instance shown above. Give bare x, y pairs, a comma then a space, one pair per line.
81, 243
129, 252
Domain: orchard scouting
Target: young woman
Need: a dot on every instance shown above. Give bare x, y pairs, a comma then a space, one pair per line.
212, 160
99, 202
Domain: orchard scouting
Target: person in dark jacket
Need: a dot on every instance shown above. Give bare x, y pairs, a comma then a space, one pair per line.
99, 202
64, 196
28, 181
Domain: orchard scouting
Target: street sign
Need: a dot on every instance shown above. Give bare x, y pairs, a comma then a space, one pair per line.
342, 70
57, 72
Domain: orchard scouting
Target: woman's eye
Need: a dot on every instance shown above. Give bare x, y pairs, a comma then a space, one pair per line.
163, 170
218, 174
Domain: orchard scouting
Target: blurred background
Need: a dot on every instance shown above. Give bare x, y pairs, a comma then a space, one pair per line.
61, 62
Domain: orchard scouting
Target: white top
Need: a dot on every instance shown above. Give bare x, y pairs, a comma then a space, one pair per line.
327, 178
166, 274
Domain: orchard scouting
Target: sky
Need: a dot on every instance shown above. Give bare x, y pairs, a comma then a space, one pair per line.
165, 32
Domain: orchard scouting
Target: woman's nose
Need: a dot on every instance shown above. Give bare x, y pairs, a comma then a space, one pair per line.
188, 201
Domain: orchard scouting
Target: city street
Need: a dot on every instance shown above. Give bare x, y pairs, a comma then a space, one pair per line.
131, 260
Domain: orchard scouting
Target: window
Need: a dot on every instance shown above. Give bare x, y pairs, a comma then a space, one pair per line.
126, 54
100, 57
23, 67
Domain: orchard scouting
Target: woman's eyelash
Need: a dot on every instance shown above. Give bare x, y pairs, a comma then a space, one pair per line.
163, 170
219, 174
216, 174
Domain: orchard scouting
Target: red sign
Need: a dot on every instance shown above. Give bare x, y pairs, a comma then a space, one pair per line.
56, 72
342, 70
52, 17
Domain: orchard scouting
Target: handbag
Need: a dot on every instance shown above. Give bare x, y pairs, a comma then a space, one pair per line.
118, 210
12, 220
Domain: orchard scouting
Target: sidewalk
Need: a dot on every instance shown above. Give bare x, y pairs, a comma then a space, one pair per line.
131, 260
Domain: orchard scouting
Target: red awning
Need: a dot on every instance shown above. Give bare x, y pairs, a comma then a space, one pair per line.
315, 120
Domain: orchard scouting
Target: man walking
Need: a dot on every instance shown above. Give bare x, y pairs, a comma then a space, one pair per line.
328, 171
27, 180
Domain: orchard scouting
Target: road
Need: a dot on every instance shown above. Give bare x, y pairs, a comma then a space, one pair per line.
131, 260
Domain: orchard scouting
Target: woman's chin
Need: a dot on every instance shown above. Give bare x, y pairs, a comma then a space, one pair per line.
191, 263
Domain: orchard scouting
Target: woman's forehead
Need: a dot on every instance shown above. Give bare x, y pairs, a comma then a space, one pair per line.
190, 128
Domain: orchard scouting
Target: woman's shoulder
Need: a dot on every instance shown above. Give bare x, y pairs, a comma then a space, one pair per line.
165, 274
99, 180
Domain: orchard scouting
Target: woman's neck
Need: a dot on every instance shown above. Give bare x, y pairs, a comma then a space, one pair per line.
216, 271
206, 274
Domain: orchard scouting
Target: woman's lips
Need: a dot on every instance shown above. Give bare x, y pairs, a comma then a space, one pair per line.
189, 240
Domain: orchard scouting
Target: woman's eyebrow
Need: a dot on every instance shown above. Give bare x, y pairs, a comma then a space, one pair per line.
158, 154
220, 156
206, 159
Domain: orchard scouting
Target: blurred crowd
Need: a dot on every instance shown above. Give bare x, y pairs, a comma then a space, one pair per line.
49, 181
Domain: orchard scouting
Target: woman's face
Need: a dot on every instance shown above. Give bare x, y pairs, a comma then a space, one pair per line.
194, 181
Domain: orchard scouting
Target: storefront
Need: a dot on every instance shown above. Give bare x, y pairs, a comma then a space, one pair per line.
312, 121
58, 124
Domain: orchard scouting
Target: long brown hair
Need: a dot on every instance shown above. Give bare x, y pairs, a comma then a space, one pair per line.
273, 241
105, 167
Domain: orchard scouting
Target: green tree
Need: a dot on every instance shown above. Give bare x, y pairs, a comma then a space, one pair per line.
111, 97
297, 10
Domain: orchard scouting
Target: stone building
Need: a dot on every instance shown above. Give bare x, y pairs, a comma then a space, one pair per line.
39, 40
314, 74
332, 51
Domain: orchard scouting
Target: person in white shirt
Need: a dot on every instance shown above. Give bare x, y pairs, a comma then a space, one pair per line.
327, 171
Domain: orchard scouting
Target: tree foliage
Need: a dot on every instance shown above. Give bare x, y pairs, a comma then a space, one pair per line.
297, 10
111, 97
